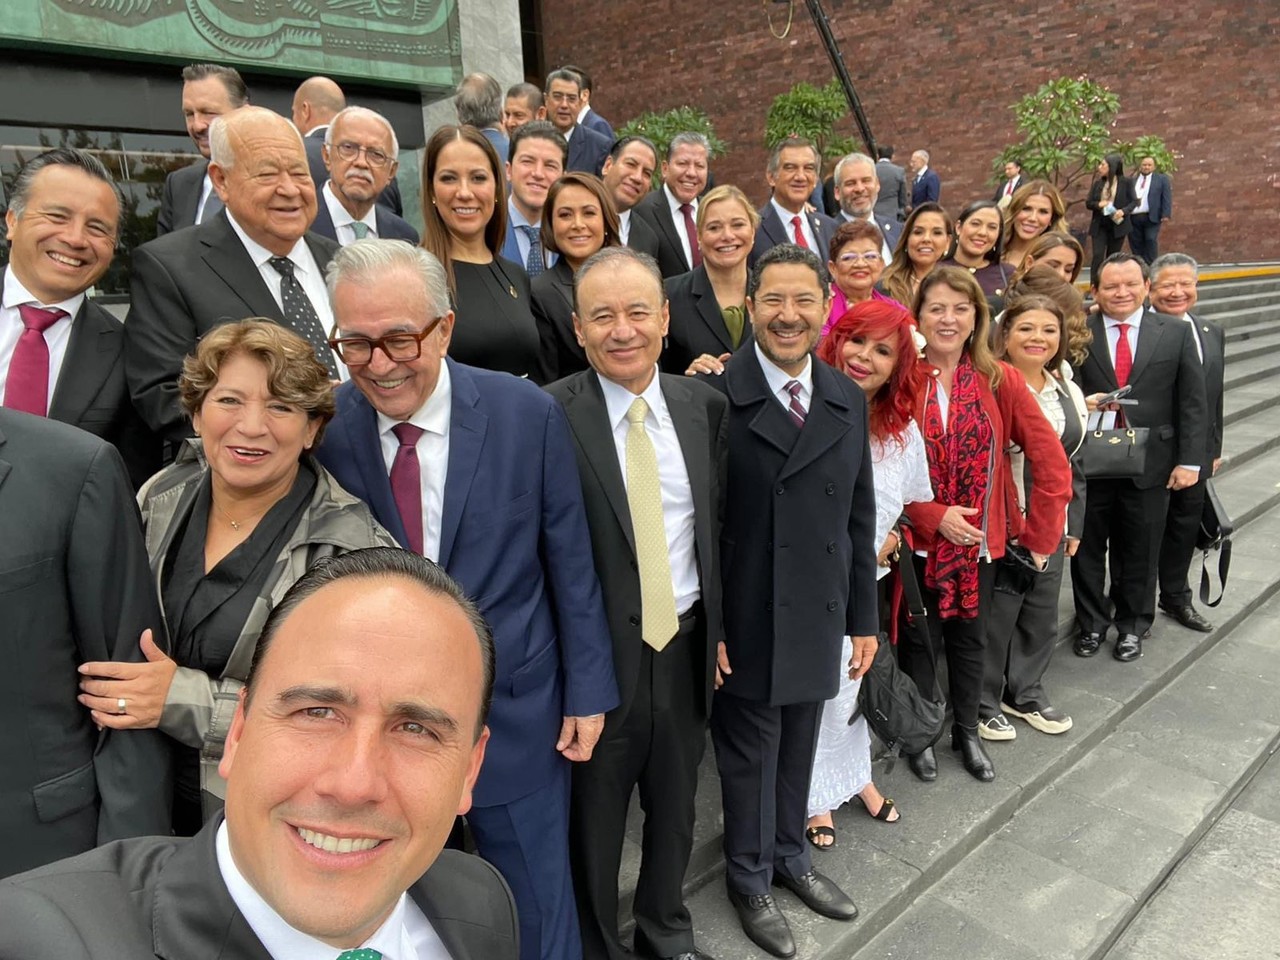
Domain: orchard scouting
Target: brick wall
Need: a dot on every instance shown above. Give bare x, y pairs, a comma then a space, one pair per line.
1203, 74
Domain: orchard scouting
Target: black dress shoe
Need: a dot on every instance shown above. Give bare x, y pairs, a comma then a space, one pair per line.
924, 764
820, 894
763, 922
1189, 617
1087, 644
974, 755
643, 948
1128, 647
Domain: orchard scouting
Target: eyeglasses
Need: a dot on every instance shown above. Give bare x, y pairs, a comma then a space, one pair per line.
561, 97
349, 151
850, 258
399, 347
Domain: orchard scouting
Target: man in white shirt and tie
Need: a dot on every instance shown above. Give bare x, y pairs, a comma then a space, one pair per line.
857, 189
1155, 206
1012, 180
628, 176
537, 159
792, 173
672, 211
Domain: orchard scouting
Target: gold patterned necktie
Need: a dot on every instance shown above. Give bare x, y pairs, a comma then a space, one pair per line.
644, 498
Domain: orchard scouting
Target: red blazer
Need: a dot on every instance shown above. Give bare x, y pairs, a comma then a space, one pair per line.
1017, 418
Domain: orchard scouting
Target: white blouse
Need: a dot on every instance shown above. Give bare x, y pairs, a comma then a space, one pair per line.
901, 475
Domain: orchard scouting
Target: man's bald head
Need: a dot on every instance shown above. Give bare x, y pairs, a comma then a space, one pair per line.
316, 102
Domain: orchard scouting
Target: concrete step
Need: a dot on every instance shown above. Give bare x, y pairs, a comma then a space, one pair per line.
1258, 345
1251, 370
1213, 306
1247, 331
1243, 316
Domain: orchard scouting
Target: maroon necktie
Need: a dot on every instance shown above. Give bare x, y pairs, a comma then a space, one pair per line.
1124, 355
27, 388
694, 253
800, 241
406, 483
795, 409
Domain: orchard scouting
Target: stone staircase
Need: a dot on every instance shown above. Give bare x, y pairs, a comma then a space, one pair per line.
1056, 856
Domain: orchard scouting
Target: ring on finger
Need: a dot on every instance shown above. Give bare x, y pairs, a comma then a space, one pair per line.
121, 705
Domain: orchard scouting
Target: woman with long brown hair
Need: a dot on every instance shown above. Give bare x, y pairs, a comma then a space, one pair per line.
1037, 208
1111, 200
926, 237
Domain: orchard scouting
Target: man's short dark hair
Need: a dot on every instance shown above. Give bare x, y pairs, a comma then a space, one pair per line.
380, 563
623, 142
584, 78
539, 130
885, 152
58, 157
1117, 258
786, 253
479, 101
529, 93
566, 76
237, 92
792, 143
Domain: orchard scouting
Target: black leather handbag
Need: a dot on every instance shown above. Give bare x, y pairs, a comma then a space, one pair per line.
1116, 454
1215, 534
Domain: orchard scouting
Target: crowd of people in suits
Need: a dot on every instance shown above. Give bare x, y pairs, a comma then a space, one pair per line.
606, 467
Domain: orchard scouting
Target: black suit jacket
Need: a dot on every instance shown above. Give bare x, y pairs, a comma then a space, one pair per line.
551, 297
1213, 341
390, 227
74, 587
699, 414
181, 197
314, 142
184, 285
797, 553
657, 212
772, 231
1125, 199
587, 150
1017, 181
697, 326
643, 238
165, 897
1168, 383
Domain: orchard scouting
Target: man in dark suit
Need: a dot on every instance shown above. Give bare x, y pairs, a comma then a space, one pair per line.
1155, 356
925, 185
587, 147
356, 740
1173, 293
587, 117
857, 191
478, 101
255, 259
208, 91
1155, 206
628, 176
894, 196
792, 174
537, 159
476, 470
1012, 180
62, 355
671, 210
651, 455
76, 587
522, 104
799, 576
360, 153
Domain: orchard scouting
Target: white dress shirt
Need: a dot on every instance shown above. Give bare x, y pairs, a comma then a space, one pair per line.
434, 418
1195, 334
777, 378
342, 219
405, 935
624, 226
206, 191
673, 477
1142, 187
56, 337
886, 254
518, 219
305, 269
678, 217
806, 227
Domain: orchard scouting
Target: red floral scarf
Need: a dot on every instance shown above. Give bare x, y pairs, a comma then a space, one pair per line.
959, 453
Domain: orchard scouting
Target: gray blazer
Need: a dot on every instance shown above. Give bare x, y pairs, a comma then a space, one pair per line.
892, 202
165, 897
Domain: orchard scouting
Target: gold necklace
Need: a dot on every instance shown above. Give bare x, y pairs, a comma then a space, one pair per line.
236, 524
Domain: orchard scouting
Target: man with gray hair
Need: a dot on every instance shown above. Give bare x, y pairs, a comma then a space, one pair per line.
475, 470
1173, 292
792, 174
857, 189
671, 210
925, 185
256, 258
360, 150
478, 101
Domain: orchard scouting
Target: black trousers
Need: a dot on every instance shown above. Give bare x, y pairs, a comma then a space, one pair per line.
765, 758
1103, 243
1021, 633
1144, 237
1178, 546
963, 641
657, 746
1131, 521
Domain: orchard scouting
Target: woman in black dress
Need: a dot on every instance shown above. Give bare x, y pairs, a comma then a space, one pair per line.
464, 213
1111, 200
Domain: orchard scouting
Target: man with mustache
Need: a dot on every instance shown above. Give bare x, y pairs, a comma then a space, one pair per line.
360, 150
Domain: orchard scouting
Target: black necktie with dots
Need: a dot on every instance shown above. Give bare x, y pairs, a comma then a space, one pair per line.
300, 314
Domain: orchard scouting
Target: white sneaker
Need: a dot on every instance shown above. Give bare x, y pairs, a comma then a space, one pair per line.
997, 728
1047, 720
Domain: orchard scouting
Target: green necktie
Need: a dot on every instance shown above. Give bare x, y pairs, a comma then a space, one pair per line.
658, 621
361, 230
734, 318
364, 953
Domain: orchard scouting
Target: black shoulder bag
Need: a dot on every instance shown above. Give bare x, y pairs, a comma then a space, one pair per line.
1215, 534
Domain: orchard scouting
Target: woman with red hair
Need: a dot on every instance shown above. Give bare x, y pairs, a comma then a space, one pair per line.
873, 344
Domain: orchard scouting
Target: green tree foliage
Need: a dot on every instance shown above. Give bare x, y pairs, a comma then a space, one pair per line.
1066, 129
662, 127
810, 112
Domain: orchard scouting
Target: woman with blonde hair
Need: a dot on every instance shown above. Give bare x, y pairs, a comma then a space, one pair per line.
1037, 208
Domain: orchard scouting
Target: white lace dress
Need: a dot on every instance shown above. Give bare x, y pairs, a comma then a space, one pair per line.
842, 761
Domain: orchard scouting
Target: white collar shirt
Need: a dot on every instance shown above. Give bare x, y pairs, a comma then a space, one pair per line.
1142, 188
674, 203
342, 219
56, 337
806, 227
624, 226
777, 378
1113, 333
886, 255
673, 477
434, 418
923, 171
1195, 335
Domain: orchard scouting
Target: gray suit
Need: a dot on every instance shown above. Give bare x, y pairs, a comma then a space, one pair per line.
892, 203
165, 897
74, 587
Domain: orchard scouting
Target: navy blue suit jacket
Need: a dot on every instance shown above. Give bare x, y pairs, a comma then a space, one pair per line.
925, 190
390, 227
772, 231
514, 534
587, 150
1159, 197
593, 121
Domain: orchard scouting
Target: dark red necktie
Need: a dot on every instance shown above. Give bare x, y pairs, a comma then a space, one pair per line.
689, 228
406, 483
800, 241
1124, 355
795, 408
27, 388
